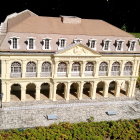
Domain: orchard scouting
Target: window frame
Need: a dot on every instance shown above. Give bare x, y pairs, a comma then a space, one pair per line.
117, 45
28, 43
12, 43
44, 44
90, 43
130, 45
16, 69
60, 43
104, 44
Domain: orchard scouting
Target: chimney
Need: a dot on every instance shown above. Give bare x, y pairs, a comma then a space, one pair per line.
70, 19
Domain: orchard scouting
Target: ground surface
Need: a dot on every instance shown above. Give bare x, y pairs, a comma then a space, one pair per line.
33, 113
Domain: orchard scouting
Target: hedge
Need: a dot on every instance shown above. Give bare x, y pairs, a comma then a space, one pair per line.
111, 130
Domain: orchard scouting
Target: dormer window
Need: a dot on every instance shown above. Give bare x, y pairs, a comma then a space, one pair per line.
106, 45
14, 43
62, 43
132, 45
31, 44
119, 45
92, 44
46, 44
77, 40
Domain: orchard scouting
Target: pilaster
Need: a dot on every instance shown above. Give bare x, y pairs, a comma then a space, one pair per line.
8, 90
54, 91
106, 87
3, 69
23, 93
80, 90
4, 91
39, 66
8, 68
24, 63
69, 68
37, 91
122, 67
97, 68
110, 67
83, 68
67, 93
55, 68
117, 90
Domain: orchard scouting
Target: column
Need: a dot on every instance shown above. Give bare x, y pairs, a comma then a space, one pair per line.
55, 68
37, 91
106, 86
54, 91
69, 68
110, 67
93, 89
83, 68
51, 91
117, 90
8, 68
8, 89
97, 69
80, 90
133, 88
67, 92
137, 69
23, 92
4, 91
130, 88
24, 63
3, 68
122, 68
135, 66
39, 66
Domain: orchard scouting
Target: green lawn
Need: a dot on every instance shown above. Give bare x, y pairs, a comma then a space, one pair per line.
111, 130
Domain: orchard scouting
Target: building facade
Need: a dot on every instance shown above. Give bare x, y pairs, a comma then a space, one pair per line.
65, 58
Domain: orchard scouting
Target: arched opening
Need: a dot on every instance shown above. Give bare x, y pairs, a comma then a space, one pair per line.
87, 90
128, 68
112, 88
124, 88
115, 71
46, 69
15, 69
45, 91
15, 92
103, 69
62, 69
31, 69
76, 67
89, 69
74, 91
60, 92
100, 89
30, 91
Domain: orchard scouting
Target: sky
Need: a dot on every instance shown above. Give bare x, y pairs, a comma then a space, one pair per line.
116, 12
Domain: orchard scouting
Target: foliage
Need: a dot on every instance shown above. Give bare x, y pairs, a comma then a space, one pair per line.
137, 35
124, 27
121, 130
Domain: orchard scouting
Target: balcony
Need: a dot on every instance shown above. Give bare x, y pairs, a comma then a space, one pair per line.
15, 75
115, 73
75, 73
61, 74
103, 73
88, 73
127, 73
31, 74
45, 74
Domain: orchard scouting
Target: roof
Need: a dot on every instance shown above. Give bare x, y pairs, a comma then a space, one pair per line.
54, 25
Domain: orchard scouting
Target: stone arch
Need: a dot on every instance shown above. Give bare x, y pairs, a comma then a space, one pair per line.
112, 88
100, 88
74, 89
31, 91
124, 88
60, 91
15, 93
87, 89
45, 90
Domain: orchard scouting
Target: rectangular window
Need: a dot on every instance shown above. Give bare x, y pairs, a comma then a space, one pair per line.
119, 45
31, 43
106, 46
15, 43
132, 46
62, 43
47, 44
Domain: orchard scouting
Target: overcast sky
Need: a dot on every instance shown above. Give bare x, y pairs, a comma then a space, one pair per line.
116, 12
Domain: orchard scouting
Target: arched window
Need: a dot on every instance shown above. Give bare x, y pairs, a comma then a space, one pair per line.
31, 67
89, 66
76, 67
103, 69
115, 68
15, 67
62, 67
128, 68
46, 67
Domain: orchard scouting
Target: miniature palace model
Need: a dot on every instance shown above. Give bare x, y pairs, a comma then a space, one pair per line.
66, 58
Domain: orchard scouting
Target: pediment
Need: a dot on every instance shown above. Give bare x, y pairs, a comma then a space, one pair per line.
77, 50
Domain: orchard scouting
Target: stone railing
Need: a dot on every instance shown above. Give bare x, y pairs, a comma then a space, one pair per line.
61, 74
15, 75
103, 73
115, 73
88, 73
45, 74
31, 74
127, 73
75, 73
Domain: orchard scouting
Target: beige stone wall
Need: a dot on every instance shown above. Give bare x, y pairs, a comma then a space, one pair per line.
54, 79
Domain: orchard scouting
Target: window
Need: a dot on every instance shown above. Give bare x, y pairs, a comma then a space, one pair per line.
119, 44
62, 67
62, 43
14, 43
103, 67
92, 43
31, 67
115, 71
15, 67
76, 67
106, 45
128, 68
46, 44
31, 44
46, 67
89, 66
77, 40
132, 45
